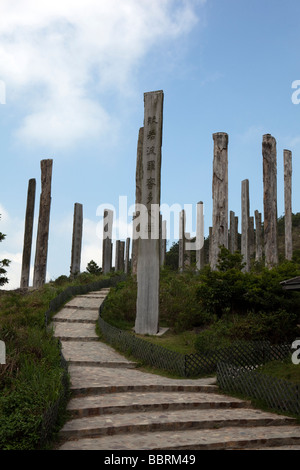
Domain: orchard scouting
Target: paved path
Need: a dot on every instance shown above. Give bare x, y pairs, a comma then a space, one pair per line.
115, 406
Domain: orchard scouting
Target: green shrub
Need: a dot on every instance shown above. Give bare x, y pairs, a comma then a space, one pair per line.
231, 290
120, 305
277, 327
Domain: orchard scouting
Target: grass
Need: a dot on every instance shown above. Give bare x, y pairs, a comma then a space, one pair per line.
284, 370
183, 343
31, 379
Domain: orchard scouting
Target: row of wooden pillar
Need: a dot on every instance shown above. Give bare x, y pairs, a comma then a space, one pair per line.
268, 244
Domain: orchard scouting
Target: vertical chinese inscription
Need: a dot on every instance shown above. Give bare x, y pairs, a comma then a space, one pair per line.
138, 181
148, 267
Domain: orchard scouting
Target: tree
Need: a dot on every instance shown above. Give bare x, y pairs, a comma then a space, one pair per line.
93, 268
3, 264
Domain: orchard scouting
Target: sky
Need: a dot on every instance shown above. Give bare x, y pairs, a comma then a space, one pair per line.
72, 80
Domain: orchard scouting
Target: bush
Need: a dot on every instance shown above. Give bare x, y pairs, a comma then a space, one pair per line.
231, 290
179, 307
277, 327
120, 306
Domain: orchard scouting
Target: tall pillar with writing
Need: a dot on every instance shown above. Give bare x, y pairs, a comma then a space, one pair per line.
138, 180
148, 267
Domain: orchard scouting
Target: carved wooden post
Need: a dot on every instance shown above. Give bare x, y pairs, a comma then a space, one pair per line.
245, 248
117, 255
288, 204
187, 257
251, 237
121, 256
269, 152
127, 256
107, 240
220, 196
148, 270
29, 217
40, 264
200, 237
181, 256
138, 195
258, 237
236, 234
232, 233
76, 240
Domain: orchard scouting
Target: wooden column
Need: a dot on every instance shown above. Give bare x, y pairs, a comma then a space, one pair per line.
127, 256
258, 237
148, 267
245, 245
76, 240
107, 241
251, 237
187, 257
220, 196
117, 255
236, 234
288, 204
269, 152
29, 217
200, 237
232, 233
181, 257
138, 195
40, 264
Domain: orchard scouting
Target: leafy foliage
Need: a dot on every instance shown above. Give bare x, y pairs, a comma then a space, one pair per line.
223, 306
93, 268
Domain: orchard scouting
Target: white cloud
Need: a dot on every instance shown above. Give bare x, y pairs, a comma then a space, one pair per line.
60, 54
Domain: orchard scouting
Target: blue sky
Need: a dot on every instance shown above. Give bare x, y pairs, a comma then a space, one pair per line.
75, 73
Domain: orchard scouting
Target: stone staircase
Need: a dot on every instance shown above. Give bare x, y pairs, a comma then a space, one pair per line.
117, 407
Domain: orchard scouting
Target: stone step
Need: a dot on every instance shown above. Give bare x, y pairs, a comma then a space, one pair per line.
133, 402
95, 381
74, 331
92, 296
76, 315
80, 391
178, 420
226, 438
85, 302
93, 354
